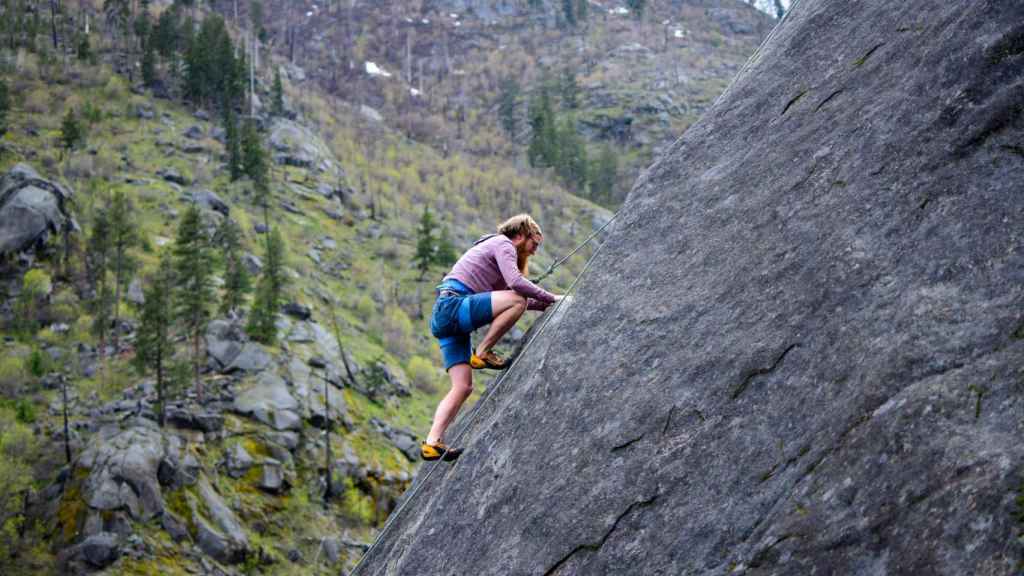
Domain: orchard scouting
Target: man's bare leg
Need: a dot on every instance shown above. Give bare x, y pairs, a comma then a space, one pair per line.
506, 309
462, 387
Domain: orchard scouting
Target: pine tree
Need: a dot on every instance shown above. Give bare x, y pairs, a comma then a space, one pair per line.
123, 236
542, 151
570, 89
236, 277
445, 254
571, 163
98, 248
277, 101
166, 35
569, 12
101, 316
507, 106
254, 158
72, 133
269, 292
425, 246
98, 251
236, 168
604, 174
193, 264
153, 345
582, 10
149, 77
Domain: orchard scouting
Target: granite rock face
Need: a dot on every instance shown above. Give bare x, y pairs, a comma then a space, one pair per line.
799, 351
31, 209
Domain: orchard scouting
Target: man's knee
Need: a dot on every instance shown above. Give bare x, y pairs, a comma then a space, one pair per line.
519, 303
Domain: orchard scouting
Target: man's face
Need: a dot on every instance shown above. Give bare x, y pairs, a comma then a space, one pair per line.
533, 242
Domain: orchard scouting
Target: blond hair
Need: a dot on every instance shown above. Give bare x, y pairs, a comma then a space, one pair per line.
525, 226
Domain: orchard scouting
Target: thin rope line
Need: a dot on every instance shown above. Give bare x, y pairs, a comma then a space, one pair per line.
577, 249
757, 52
476, 410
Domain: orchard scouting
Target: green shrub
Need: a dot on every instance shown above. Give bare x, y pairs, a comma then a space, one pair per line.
25, 412
38, 363
423, 374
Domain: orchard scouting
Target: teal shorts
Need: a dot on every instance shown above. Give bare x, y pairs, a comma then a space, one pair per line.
455, 317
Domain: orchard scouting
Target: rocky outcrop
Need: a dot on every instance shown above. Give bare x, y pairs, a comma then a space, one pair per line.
799, 350
31, 209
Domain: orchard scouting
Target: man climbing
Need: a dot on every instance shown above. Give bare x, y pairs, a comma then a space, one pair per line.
487, 285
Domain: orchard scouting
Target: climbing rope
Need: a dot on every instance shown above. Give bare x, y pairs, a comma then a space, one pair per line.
492, 393
575, 250
757, 52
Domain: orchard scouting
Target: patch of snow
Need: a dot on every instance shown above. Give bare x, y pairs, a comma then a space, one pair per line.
309, 14
679, 34
458, 23
454, 15
415, 92
425, 21
618, 10
373, 70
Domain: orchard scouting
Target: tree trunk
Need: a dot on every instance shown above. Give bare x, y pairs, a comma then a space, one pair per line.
117, 296
329, 490
53, 22
195, 366
67, 434
160, 387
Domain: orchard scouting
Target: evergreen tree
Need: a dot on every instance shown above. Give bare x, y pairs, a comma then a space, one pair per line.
153, 345
101, 318
83, 49
72, 133
261, 326
604, 174
569, 12
571, 163
98, 248
570, 89
236, 277
193, 264
254, 157
445, 254
507, 106
123, 236
425, 246
149, 77
542, 151
5, 105
236, 167
166, 36
212, 73
277, 101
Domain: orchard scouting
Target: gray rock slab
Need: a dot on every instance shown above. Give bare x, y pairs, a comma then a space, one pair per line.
799, 349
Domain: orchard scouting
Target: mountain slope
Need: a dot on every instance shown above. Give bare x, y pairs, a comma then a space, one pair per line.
799, 350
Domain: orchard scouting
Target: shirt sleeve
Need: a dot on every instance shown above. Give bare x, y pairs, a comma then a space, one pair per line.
505, 254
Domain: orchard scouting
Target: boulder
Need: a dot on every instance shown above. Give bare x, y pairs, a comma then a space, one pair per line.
100, 550
270, 402
123, 471
210, 201
31, 210
238, 461
296, 310
799, 350
405, 441
173, 176
273, 478
219, 533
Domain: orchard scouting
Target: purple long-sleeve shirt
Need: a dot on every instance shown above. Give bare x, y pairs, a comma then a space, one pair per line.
491, 265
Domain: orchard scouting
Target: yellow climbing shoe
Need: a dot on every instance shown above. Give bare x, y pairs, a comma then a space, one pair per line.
440, 450
487, 360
